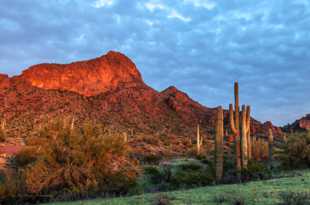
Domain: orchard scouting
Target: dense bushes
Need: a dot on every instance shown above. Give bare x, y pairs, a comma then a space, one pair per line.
66, 163
295, 153
256, 171
176, 174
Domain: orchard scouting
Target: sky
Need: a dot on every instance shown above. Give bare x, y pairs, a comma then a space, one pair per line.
199, 46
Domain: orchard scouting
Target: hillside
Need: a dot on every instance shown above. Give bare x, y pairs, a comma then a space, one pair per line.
109, 90
258, 193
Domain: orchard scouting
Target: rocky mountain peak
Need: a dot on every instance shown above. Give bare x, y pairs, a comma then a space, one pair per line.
87, 78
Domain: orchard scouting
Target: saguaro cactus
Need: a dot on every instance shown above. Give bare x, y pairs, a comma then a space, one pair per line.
242, 143
72, 123
3, 124
270, 144
219, 144
249, 137
235, 126
125, 137
245, 126
199, 140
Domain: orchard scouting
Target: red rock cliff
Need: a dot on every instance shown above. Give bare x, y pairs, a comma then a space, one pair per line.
87, 78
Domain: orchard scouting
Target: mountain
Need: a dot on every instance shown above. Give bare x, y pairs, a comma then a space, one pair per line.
301, 124
108, 89
88, 78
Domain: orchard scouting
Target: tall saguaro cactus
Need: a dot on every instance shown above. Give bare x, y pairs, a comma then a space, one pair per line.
243, 142
270, 144
245, 127
219, 144
235, 126
199, 140
249, 137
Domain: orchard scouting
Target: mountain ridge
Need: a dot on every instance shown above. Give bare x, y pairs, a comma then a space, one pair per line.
125, 104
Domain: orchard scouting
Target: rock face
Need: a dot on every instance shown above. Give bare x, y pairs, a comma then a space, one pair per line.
87, 78
108, 89
305, 122
300, 124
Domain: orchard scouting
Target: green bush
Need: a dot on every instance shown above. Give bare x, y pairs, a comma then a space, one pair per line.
177, 174
152, 159
162, 199
295, 153
256, 171
154, 174
294, 198
67, 163
234, 199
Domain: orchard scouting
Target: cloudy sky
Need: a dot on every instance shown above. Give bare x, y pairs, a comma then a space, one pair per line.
200, 46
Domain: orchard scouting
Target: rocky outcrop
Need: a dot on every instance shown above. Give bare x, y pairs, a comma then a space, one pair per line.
304, 122
87, 78
301, 124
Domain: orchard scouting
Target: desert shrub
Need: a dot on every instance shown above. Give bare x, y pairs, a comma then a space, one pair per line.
67, 163
294, 198
256, 171
177, 174
162, 199
220, 199
295, 153
154, 174
233, 199
188, 173
151, 159
25, 157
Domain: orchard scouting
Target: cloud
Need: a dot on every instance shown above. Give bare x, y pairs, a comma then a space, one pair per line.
151, 6
201, 46
209, 5
102, 3
171, 13
175, 14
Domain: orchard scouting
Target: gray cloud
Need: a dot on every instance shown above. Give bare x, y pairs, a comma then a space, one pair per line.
201, 46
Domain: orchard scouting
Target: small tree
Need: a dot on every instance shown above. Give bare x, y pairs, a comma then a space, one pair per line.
74, 162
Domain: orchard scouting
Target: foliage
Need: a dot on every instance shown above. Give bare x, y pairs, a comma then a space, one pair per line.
69, 163
162, 199
175, 174
294, 198
256, 171
233, 199
295, 153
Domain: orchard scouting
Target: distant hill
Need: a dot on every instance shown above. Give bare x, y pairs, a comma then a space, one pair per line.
301, 124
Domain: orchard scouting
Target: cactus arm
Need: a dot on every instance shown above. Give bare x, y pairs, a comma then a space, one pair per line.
236, 89
232, 120
248, 118
244, 143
